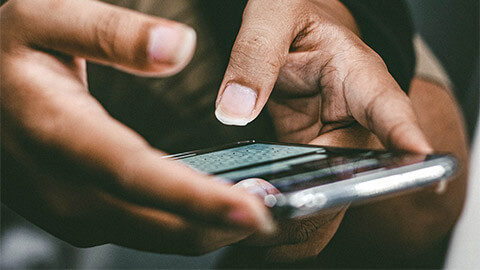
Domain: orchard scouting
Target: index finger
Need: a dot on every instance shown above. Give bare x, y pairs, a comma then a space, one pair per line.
377, 102
260, 50
103, 33
63, 117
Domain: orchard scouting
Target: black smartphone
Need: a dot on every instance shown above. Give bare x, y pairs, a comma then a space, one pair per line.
311, 178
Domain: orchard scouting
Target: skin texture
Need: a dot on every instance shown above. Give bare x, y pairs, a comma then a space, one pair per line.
402, 232
88, 179
83, 176
311, 54
408, 231
325, 86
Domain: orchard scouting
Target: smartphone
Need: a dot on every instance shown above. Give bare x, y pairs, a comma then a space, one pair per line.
311, 178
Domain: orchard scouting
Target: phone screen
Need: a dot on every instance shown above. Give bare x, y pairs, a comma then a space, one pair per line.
294, 167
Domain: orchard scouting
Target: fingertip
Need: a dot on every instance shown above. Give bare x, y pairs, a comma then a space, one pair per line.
423, 146
228, 120
172, 45
252, 213
262, 222
257, 186
427, 149
413, 141
187, 48
236, 105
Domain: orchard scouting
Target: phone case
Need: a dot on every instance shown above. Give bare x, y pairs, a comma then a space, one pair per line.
361, 188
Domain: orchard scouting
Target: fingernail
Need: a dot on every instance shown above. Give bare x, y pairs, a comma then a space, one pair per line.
171, 44
262, 219
252, 186
236, 105
257, 186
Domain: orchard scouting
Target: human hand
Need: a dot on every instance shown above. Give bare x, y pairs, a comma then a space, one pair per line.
295, 239
80, 174
304, 237
329, 88
325, 77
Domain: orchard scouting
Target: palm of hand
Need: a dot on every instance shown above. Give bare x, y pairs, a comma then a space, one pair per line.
308, 100
337, 86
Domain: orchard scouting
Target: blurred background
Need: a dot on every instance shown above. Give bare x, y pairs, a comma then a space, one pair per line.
451, 29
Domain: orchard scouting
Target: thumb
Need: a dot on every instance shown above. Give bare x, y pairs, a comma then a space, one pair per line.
259, 52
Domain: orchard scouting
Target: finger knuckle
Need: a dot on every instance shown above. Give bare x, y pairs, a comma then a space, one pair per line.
367, 58
301, 231
27, 10
106, 34
305, 229
376, 60
255, 47
255, 39
356, 55
122, 37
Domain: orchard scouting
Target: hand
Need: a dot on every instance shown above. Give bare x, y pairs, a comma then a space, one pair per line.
81, 175
302, 238
390, 233
295, 239
329, 88
325, 77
